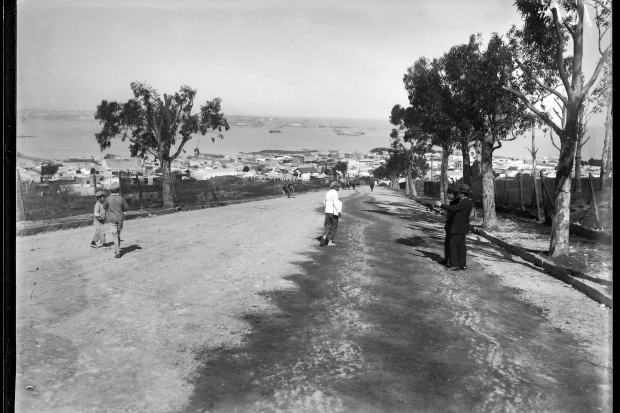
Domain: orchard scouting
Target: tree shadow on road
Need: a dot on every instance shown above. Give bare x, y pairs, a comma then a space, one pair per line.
127, 250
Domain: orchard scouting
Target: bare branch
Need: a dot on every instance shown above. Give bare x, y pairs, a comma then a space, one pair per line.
599, 66
560, 54
552, 141
583, 143
183, 141
541, 84
543, 116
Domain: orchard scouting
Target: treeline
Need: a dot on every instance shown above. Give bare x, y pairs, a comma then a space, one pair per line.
480, 94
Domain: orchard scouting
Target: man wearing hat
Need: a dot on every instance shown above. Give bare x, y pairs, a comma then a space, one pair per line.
333, 211
459, 227
448, 227
116, 205
99, 237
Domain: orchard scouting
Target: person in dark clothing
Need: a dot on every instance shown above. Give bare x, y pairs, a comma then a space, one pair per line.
459, 227
372, 185
446, 245
286, 191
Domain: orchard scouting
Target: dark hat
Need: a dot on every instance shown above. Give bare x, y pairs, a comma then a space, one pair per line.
452, 189
334, 184
464, 188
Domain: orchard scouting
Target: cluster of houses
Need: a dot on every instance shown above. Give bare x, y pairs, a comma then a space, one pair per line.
503, 167
84, 175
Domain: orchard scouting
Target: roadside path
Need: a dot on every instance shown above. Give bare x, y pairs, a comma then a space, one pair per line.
239, 309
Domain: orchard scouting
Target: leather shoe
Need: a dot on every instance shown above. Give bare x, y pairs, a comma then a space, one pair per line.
462, 268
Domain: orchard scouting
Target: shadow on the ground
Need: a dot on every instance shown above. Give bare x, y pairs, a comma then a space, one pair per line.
131, 248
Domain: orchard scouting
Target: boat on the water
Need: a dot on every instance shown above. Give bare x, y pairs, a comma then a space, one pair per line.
274, 130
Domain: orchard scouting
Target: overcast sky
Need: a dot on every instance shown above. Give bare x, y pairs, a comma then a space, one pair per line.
336, 58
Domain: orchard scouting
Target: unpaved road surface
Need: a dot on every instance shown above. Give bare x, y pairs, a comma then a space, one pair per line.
238, 309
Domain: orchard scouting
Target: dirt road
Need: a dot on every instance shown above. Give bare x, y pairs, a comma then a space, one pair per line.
239, 309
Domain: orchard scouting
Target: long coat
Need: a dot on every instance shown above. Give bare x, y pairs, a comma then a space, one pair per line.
460, 216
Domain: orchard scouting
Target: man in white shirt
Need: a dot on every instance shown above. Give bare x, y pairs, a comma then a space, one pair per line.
333, 211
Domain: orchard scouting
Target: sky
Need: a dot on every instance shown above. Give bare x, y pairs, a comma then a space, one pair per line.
313, 58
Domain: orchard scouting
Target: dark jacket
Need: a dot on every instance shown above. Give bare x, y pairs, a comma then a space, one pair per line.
460, 216
451, 215
115, 204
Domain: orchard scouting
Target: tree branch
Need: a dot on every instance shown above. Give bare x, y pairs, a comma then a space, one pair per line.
570, 29
598, 2
552, 141
540, 83
543, 116
560, 54
146, 148
599, 66
583, 143
183, 141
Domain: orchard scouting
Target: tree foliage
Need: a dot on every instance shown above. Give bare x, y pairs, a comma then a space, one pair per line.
156, 126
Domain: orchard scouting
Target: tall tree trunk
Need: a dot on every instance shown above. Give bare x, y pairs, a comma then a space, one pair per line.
562, 190
166, 185
443, 183
578, 167
489, 217
408, 181
467, 169
605, 167
414, 191
535, 196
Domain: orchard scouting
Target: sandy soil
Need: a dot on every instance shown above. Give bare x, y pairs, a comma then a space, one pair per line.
136, 322
101, 334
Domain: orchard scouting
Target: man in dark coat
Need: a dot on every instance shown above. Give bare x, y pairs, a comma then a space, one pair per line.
459, 228
448, 227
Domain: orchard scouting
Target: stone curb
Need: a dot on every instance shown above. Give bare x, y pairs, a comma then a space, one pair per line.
555, 271
57, 226
560, 273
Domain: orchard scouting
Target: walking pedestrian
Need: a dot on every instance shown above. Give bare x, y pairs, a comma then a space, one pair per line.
459, 227
99, 222
333, 211
448, 227
291, 190
286, 191
116, 205
372, 185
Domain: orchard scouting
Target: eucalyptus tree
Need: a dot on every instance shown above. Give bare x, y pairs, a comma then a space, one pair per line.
503, 117
418, 141
604, 98
429, 104
460, 67
550, 28
154, 126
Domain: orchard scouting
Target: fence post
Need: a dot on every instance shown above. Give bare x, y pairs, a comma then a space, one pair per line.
521, 189
140, 189
506, 194
21, 213
593, 200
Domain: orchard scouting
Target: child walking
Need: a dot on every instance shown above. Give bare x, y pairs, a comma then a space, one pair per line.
99, 222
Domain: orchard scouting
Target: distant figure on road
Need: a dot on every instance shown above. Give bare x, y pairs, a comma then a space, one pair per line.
286, 191
459, 227
116, 205
353, 185
333, 211
99, 221
448, 227
372, 185
291, 190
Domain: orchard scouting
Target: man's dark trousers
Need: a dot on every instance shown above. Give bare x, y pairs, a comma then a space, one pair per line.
331, 225
458, 249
